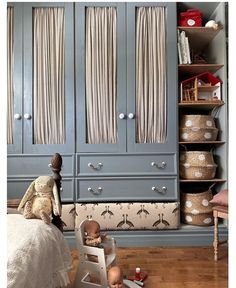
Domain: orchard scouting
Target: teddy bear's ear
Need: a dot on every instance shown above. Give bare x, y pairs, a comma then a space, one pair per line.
29, 192
56, 198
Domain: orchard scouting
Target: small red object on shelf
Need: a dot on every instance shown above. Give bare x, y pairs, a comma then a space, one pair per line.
191, 18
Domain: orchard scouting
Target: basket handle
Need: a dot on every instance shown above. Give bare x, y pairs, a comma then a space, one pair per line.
212, 150
212, 186
215, 111
185, 147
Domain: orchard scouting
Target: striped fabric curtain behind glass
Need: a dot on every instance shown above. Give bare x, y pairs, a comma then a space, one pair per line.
10, 59
151, 75
49, 66
101, 75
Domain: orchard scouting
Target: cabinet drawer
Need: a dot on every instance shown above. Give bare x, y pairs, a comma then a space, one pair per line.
16, 188
131, 164
33, 165
144, 189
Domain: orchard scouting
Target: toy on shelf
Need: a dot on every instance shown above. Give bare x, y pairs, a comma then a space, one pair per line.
202, 87
212, 24
190, 18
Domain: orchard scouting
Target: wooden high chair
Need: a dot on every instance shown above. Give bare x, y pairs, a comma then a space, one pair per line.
218, 212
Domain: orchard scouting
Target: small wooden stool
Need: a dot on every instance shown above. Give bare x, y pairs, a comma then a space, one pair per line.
218, 212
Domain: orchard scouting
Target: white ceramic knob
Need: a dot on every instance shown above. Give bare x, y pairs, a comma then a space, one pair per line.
27, 116
122, 116
131, 115
17, 116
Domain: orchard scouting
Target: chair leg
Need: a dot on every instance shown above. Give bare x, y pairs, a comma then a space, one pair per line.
216, 238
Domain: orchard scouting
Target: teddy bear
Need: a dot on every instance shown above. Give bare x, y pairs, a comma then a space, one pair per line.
40, 199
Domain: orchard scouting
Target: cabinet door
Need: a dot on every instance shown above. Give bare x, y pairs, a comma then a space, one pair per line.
100, 77
14, 96
48, 78
151, 77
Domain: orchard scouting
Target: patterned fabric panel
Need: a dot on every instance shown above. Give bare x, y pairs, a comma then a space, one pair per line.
68, 216
130, 216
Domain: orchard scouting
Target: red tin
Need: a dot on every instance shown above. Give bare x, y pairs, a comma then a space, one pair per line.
191, 18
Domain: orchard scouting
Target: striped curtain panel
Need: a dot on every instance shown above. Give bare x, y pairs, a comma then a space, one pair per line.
49, 76
101, 75
10, 60
151, 75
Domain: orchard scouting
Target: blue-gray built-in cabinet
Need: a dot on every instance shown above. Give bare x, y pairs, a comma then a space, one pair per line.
106, 156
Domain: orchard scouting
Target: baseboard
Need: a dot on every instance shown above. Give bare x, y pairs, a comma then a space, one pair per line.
185, 236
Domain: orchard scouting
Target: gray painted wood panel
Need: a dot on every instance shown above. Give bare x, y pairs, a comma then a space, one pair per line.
34, 166
29, 146
16, 188
123, 189
172, 97
164, 164
16, 147
82, 145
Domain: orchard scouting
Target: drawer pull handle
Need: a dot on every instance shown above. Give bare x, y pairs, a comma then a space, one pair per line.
98, 192
162, 165
161, 190
99, 166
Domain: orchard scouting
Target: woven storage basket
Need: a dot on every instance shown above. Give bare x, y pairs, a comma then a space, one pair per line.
197, 134
201, 121
196, 209
197, 165
197, 128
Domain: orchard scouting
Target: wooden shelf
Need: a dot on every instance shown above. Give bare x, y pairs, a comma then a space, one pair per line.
209, 180
194, 69
199, 37
203, 142
202, 104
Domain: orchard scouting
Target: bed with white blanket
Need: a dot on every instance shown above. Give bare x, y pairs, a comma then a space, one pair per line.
38, 255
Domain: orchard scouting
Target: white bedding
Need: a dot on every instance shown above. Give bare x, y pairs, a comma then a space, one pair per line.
37, 254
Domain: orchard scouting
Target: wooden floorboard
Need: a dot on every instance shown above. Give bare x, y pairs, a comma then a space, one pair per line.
179, 267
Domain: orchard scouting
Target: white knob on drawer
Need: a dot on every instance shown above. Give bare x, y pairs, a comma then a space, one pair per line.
17, 116
49, 165
122, 116
27, 116
131, 115
61, 189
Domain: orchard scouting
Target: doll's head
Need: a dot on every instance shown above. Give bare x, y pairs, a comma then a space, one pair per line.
115, 277
92, 233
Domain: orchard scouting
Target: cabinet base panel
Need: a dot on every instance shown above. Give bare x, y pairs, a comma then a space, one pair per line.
185, 236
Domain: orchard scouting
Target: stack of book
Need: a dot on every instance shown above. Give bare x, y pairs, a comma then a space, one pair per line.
183, 48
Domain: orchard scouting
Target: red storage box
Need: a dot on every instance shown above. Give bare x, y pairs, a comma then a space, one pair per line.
191, 18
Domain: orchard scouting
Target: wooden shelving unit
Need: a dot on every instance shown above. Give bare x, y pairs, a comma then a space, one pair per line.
200, 181
199, 37
194, 69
